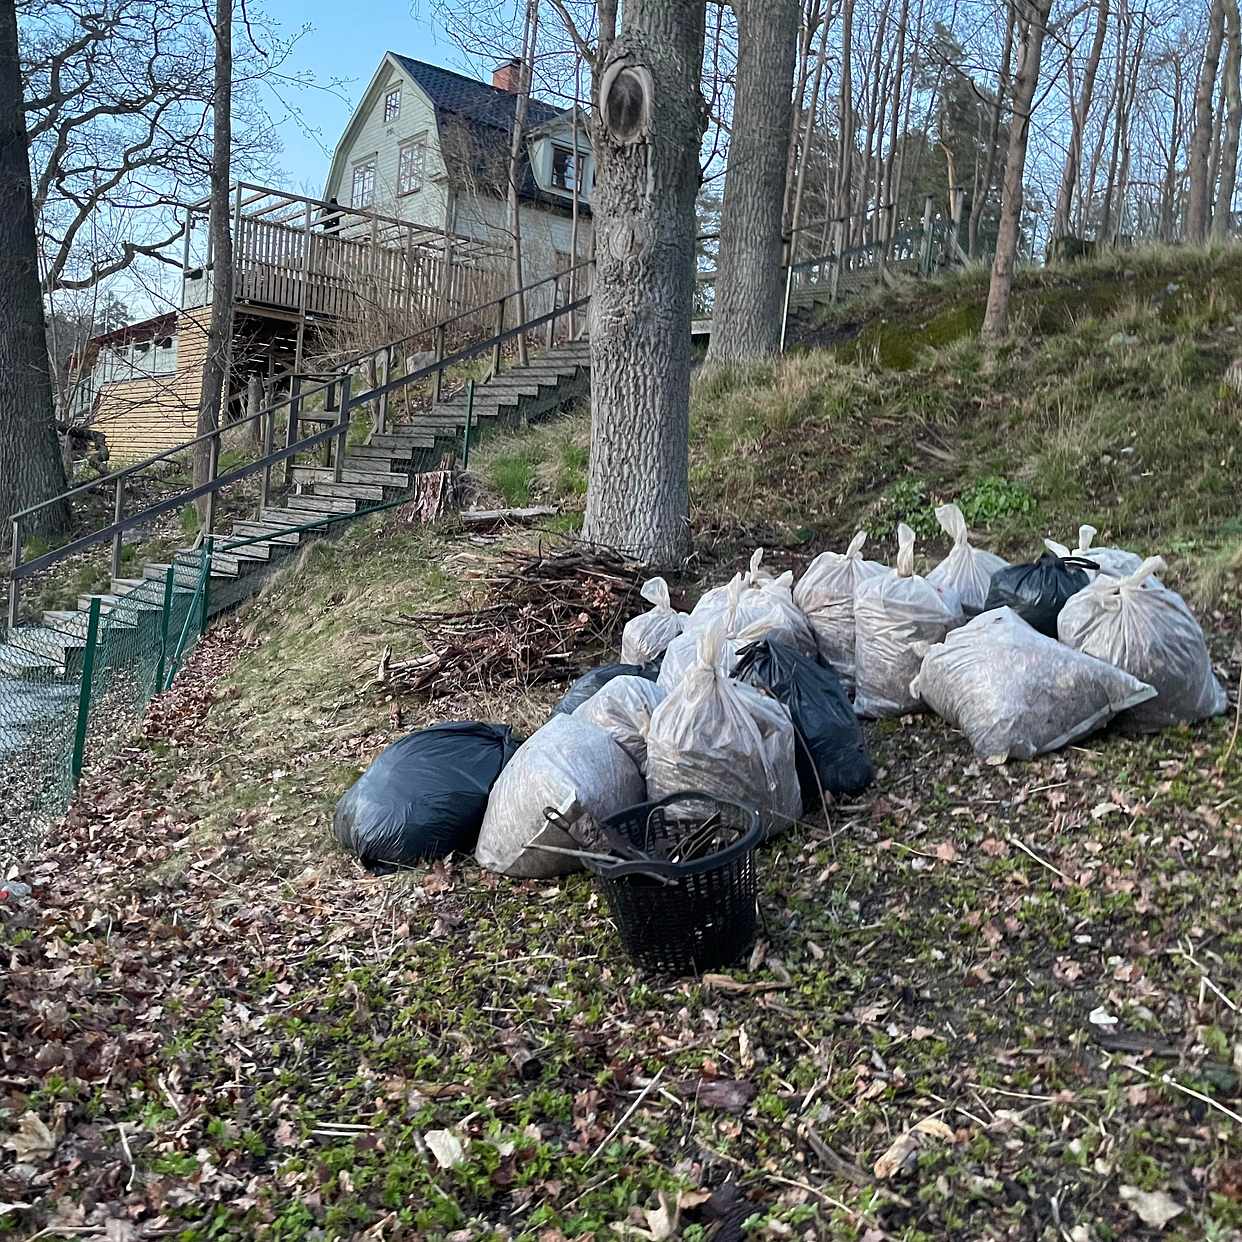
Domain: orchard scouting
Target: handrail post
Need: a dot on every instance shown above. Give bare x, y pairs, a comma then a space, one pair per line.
269, 435
342, 423
556, 296
500, 331
381, 404
291, 422
84, 690
213, 458
438, 393
118, 508
465, 448
169, 574
15, 560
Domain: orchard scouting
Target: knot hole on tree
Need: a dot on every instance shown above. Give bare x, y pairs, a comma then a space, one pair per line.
625, 101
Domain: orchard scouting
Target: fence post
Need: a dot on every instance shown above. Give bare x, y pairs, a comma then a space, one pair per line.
342, 433
381, 405
205, 570
291, 423
500, 329
925, 258
269, 436
118, 509
84, 690
15, 560
465, 450
168, 591
213, 457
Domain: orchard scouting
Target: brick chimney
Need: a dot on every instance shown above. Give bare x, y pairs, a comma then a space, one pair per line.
508, 77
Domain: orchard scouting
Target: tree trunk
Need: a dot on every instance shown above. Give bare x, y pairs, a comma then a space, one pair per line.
806, 34
1223, 215
220, 332
1116, 112
1033, 27
1168, 189
984, 190
648, 127
845, 128
1078, 123
805, 161
30, 463
894, 135
746, 321
1198, 201
516, 142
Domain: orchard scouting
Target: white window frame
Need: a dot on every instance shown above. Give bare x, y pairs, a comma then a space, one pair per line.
392, 104
412, 164
366, 169
577, 158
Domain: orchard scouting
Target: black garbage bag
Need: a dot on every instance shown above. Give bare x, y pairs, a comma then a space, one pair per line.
424, 796
1037, 591
830, 751
596, 679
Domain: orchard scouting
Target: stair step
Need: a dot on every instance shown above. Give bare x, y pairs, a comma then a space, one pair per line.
402, 439
297, 517
381, 457
275, 531
129, 601
250, 552
312, 503
28, 652
358, 492
74, 624
222, 566
350, 474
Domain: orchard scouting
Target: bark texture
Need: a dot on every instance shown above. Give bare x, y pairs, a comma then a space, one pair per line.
30, 462
1233, 122
647, 132
1033, 19
1198, 204
983, 184
746, 320
220, 331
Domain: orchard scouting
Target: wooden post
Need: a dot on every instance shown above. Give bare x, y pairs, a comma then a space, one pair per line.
384, 369
291, 422
556, 294
118, 507
269, 436
925, 259
15, 560
342, 434
500, 327
465, 450
303, 283
438, 390
209, 520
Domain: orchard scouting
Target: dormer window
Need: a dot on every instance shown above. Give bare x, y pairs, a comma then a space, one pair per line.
392, 105
564, 168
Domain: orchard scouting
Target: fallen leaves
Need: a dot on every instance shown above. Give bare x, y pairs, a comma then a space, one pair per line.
905, 1147
32, 1140
739, 987
1154, 1208
725, 1095
446, 1147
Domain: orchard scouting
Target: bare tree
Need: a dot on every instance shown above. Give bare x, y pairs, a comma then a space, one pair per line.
1198, 205
746, 322
1078, 123
30, 461
649, 122
1222, 216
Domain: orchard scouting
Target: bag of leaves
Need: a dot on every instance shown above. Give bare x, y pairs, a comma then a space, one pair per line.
716, 736
646, 637
769, 609
592, 682
825, 593
723, 599
967, 570
623, 710
1016, 693
1150, 632
424, 795
570, 768
897, 616
1037, 591
830, 753
1116, 562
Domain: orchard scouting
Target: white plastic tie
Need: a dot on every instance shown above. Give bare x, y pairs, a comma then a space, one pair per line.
905, 551
856, 545
953, 523
655, 591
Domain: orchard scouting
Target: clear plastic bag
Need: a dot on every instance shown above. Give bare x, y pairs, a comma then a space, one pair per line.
1150, 632
646, 636
1115, 562
623, 710
722, 599
570, 767
897, 616
966, 570
825, 593
768, 611
717, 736
1016, 693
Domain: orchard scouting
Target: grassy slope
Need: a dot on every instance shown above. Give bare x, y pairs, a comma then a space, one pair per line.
283, 1046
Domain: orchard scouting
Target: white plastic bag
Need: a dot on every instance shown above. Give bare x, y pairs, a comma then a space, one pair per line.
623, 710
825, 593
721, 737
768, 611
569, 766
1017, 693
966, 570
720, 599
646, 636
1115, 562
897, 616
1150, 633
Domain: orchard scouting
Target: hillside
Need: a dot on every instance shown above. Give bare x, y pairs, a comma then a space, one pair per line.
223, 1030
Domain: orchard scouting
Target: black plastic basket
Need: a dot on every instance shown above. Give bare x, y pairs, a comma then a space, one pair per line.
683, 917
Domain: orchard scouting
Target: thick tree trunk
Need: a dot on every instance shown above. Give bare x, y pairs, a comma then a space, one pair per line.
1078, 122
1033, 20
746, 321
220, 332
647, 132
983, 190
1198, 203
30, 463
1223, 215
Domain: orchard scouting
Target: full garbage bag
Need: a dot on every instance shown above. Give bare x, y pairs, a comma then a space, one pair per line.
424, 795
596, 679
717, 736
830, 753
1115, 562
967, 570
645, 637
1037, 591
569, 767
897, 616
1150, 632
623, 710
724, 598
825, 593
1015, 692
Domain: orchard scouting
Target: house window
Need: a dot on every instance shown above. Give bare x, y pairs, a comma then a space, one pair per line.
412, 166
392, 104
363, 192
564, 168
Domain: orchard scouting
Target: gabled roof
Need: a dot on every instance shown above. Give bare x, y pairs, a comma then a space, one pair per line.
471, 99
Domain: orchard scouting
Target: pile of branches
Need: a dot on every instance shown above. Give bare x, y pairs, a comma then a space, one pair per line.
541, 611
